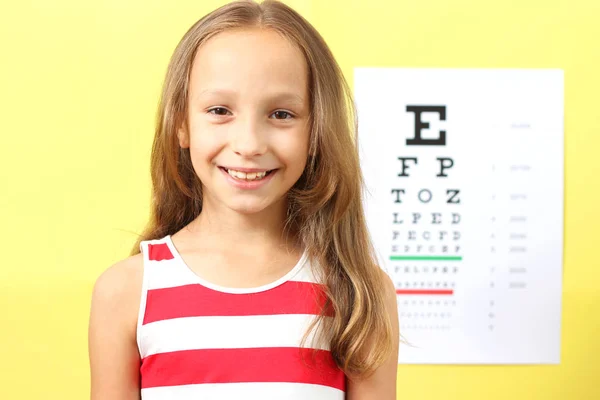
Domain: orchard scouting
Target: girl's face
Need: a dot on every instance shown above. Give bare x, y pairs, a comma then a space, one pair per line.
248, 119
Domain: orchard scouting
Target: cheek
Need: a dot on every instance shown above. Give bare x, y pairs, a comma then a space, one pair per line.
295, 151
204, 147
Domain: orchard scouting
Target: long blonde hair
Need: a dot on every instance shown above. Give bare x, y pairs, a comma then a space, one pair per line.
325, 205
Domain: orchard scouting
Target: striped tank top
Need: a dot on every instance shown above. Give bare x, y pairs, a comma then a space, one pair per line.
198, 340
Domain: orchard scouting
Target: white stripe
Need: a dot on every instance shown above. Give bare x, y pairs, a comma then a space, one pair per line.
246, 391
227, 332
143, 295
306, 274
170, 273
173, 272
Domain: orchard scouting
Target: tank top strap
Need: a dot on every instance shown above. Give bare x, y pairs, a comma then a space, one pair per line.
161, 269
162, 265
307, 273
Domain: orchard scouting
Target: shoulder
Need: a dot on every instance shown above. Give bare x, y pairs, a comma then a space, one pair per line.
117, 290
391, 304
120, 278
389, 289
113, 352
381, 383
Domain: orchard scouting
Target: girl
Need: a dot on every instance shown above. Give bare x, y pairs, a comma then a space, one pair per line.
256, 274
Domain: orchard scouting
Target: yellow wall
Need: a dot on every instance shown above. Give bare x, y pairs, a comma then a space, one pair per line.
79, 83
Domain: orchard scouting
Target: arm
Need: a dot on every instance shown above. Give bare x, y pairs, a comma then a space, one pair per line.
382, 384
113, 354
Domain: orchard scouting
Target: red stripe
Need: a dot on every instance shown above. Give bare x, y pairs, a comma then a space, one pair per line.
159, 252
424, 291
265, 364
291, 297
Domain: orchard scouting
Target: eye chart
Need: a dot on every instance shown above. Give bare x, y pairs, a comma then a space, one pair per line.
464, 176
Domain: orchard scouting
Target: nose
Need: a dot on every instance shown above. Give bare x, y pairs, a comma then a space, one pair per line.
249, 137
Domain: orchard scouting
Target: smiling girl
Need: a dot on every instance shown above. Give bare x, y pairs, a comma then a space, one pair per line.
255, 277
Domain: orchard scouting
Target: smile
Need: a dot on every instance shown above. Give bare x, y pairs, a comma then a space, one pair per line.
249, 178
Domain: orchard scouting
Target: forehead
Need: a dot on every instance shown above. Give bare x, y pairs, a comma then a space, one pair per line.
249, 61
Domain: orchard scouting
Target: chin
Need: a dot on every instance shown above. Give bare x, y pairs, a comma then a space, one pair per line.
248, 207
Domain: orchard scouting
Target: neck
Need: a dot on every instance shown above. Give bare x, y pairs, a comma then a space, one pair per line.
220, 226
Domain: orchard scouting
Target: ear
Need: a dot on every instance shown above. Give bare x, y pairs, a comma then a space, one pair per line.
183, 137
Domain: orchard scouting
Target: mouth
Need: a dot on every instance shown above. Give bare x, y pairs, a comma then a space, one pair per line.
247, 174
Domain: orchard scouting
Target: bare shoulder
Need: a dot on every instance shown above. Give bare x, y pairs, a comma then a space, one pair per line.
117, 276
386, 279
388, 286
116, 295
391, 303
113, 353
120, 281
381, 385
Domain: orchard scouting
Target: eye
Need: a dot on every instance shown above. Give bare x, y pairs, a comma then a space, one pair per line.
218, 111
283, 114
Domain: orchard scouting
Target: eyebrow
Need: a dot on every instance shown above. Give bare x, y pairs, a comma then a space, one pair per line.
280, 96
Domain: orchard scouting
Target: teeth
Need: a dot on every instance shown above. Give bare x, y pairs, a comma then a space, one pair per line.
250, 176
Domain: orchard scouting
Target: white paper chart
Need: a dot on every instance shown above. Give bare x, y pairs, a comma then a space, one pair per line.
464, 175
